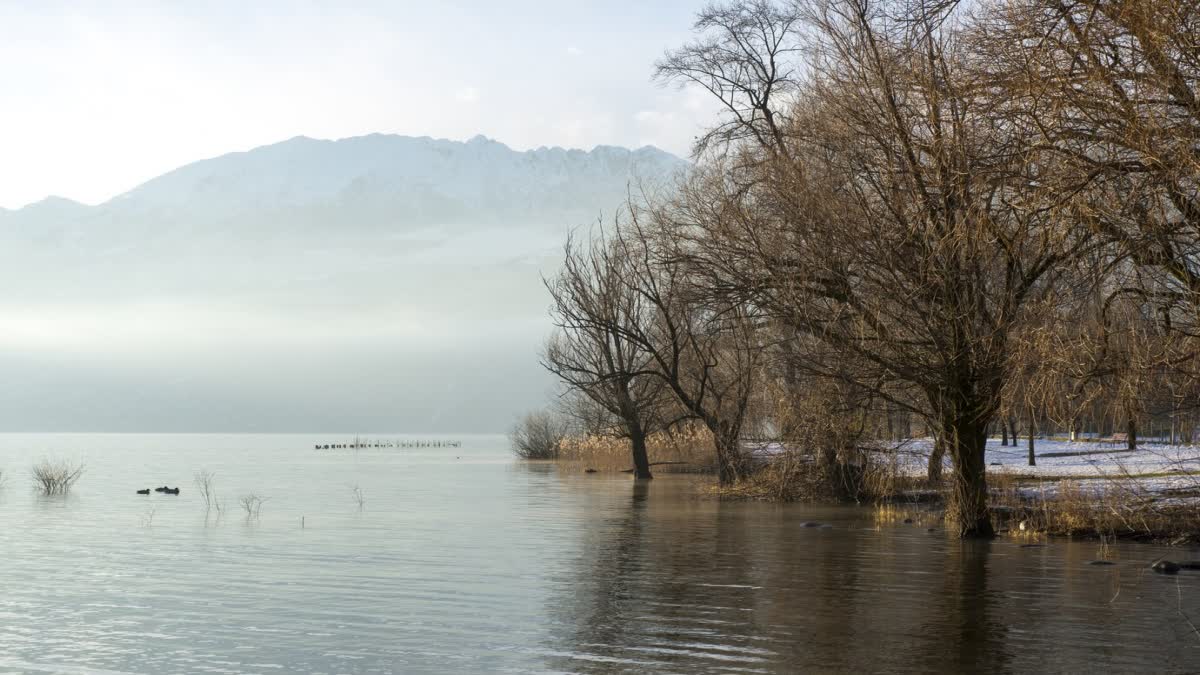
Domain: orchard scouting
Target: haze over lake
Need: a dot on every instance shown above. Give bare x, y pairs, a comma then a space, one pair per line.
370, 283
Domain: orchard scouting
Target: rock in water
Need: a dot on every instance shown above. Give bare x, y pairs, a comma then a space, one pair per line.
1165, 567
1102, 562
809, 524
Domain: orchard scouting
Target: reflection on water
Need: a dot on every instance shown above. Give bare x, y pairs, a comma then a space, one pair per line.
684, 585
462, 561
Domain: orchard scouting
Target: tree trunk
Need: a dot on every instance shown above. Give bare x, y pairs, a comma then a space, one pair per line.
1032, 457
1032, 430
1003, 433
1131, 430
641, 459
966, 438
935, 459
730, 462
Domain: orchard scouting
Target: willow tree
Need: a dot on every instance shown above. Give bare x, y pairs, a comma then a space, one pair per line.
595, 313
1113, 90
705, 350
1113, 87
911, 225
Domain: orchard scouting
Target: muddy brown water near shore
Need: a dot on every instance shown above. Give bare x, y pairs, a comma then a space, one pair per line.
462, 560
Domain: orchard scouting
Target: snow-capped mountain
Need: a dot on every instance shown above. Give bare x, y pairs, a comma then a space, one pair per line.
371, 181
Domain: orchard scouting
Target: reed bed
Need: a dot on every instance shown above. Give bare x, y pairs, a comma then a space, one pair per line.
795, 476
684, 450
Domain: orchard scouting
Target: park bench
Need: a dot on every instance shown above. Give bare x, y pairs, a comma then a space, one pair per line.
1115, 439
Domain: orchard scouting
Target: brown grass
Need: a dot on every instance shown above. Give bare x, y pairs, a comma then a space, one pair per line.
797, 477
688, 450
1118, 509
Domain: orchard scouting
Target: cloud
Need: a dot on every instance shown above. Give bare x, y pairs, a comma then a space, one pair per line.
574, 51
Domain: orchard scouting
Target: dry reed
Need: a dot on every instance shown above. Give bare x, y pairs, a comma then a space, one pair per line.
688, 449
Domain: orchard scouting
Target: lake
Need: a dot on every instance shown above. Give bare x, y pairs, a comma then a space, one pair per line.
462, 560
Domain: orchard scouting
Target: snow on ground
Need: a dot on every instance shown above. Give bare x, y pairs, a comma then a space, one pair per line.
1092, 459
1152, 469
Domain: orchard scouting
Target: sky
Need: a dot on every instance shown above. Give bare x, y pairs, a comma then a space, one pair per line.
98, 97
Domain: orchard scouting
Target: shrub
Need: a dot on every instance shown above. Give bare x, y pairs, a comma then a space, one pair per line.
204, 484
57, 477
252, 505
538, 435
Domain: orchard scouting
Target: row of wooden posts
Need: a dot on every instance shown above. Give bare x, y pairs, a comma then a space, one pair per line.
361, 444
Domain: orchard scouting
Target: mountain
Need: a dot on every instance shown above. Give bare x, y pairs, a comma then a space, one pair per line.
369, 182
47, 212
378, 283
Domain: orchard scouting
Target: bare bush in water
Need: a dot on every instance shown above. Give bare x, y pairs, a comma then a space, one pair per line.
55, 477
538, 435
204, 484
359, 498
252, 505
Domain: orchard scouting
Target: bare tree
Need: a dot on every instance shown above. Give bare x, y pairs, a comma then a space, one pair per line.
252, 504
1114, 90
705, 350
742, 58
596, 312
908, 228
205, 485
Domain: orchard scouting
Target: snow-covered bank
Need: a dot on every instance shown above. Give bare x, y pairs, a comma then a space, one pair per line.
1084, 488
1154, 468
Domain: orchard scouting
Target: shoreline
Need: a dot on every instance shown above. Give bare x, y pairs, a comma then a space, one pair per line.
1078, 489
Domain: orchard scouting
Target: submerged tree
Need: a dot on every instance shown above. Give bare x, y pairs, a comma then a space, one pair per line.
910, 226
963, 212
704, 349
593, 352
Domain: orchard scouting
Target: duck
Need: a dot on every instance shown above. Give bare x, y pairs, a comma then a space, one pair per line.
170, 491
1165, 567
144, 492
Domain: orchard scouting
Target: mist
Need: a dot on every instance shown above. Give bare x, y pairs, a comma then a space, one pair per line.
306, 286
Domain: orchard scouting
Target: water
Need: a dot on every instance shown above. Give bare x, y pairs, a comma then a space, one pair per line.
464, 561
